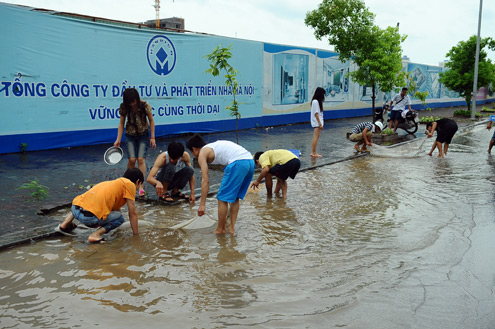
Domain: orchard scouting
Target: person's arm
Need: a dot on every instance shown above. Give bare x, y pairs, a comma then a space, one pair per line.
159, 162
205, 181
133, 216
186, 158
433, 127
152, 130
317, 116
365, 137
120, 131
262, 175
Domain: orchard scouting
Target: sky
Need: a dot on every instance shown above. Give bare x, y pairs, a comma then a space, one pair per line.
432, 27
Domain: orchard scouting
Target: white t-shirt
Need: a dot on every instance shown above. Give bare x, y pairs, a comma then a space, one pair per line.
402, 104
315, 108
227, 152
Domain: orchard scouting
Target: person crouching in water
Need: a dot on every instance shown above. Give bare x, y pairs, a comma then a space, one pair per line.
166, 176
100, 206
362, 133
279, 163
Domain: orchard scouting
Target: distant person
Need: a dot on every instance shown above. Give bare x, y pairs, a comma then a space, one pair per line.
317, 121
492, 140
362, 134
279, 163
100, 206
165, 175
237, 175
401, 100
139, 124
446, 129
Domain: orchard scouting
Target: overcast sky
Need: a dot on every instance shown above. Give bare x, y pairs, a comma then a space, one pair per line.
433, 27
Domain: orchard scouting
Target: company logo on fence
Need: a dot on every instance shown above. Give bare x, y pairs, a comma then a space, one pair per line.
161, 55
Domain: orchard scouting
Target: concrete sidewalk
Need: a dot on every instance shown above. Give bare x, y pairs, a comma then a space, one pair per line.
68, 172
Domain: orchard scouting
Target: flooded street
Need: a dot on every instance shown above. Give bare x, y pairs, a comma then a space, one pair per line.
397, 239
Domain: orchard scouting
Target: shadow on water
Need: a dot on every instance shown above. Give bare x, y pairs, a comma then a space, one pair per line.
382, 241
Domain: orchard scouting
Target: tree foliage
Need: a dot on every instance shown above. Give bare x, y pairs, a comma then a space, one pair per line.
460, 74
349, 27
219, 61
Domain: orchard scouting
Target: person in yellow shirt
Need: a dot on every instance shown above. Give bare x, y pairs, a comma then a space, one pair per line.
100, 206
279, 163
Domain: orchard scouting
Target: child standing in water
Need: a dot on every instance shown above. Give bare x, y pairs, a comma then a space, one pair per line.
317, 119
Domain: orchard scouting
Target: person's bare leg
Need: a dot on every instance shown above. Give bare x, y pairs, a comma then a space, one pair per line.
490, 146
439, 147
131, 163
97, 235
282, 186
234, 211
445, 149
67, 220
142, 165
223, 208
396, 123
269, 185
314, 143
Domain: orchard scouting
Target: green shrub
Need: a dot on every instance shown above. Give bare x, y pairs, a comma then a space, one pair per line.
387, 131
466, 113
38, 192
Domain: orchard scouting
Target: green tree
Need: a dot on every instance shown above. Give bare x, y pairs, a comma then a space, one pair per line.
219, 61
349, 27
460, 74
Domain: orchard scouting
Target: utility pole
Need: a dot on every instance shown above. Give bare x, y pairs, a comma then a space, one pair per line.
476, 62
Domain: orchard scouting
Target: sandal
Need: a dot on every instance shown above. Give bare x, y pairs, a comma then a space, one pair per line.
180, 196
166, 197
67, 231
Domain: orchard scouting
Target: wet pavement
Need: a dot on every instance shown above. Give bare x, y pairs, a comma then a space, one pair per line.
395, 239
65, 173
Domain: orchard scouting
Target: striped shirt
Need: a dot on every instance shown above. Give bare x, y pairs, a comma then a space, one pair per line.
360, 127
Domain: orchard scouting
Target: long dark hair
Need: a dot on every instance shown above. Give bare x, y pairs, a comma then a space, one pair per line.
131, 94
319, 95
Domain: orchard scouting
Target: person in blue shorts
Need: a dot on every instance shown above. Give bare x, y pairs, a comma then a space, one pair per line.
237, 176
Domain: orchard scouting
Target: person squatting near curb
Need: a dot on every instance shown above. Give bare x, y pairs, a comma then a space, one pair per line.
279, 163
362, 134
100, 206
171, 171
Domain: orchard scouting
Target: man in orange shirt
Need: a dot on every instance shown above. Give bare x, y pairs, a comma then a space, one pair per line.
100, 206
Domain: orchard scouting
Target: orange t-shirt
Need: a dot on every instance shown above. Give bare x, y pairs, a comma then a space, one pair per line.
107, 196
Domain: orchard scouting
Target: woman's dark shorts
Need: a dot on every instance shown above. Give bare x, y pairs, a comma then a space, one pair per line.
447, 132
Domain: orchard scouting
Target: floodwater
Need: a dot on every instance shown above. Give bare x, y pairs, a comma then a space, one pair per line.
397, 239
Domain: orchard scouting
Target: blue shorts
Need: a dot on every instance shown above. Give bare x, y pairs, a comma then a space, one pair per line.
395, 115
137, 146
237, 177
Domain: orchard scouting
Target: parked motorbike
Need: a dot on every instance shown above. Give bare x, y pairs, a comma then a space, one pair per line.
409, 123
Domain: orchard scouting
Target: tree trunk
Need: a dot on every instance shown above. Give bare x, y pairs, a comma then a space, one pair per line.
373, 102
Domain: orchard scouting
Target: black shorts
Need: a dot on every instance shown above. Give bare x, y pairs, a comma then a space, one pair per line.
288, 169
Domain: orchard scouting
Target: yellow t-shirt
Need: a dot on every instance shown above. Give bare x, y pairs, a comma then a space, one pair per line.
107, 196
274, 157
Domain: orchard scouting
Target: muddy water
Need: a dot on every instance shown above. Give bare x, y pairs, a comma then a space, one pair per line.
394, 240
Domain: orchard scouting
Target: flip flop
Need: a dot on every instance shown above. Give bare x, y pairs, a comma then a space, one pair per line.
166, 197
67, 231
180, 196
102, 240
